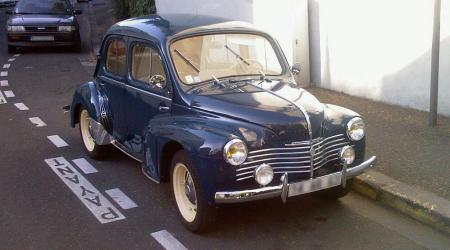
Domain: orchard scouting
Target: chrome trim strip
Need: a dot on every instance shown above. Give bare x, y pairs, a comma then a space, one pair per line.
272, 149
334, 142
285, 189
274, 163
291, 153
119, 146
105, 78
273, 159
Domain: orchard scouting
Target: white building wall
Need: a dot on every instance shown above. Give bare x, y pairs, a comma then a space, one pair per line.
379, 49
286, 20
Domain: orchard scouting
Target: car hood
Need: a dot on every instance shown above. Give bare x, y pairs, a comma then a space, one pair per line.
278, 109
38, 19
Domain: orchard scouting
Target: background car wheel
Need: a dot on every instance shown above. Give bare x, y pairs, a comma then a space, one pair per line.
94, 150
335, 193
11, 49
195, 212
77, 46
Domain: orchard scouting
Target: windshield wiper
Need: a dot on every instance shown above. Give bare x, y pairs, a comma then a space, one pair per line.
189, 62
237, 55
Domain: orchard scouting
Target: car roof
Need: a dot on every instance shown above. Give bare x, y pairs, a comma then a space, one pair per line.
162, 28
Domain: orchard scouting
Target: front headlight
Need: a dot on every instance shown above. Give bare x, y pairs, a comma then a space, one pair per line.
66, 28
347, 155
14, 28
356, 129
235, 152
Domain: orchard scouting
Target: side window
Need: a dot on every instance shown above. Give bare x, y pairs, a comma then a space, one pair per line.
116, 57
147, 67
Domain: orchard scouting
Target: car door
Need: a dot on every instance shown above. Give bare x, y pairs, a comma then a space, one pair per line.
148, 93
112, 78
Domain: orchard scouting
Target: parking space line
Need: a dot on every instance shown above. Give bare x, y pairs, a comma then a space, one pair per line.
167, 240
85, 166
6, 66
37, 121
58, 141
2, 98
121, 198
16, 55
9, 93
21, 106
4, 73
11, 59
4, 83
95, 201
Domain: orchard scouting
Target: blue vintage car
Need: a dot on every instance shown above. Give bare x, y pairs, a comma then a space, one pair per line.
212, 107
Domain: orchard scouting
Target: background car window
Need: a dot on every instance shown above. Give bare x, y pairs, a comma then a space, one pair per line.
42, 7
147, 67
116, 57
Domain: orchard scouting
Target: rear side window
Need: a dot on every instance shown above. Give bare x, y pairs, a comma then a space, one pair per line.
116, 57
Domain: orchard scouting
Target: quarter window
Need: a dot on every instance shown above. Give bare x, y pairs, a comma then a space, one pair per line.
116, 57
147, 67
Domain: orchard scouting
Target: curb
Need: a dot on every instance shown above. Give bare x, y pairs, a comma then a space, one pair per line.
419, 204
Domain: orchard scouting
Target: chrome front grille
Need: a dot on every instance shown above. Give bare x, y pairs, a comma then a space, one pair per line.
295, 158
41, 28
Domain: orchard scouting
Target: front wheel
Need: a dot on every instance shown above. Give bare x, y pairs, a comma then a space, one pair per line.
335, 193
94, 150
195, 212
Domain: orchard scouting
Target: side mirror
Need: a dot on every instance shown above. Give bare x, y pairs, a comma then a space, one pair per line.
77, 12
9, 12
296, 69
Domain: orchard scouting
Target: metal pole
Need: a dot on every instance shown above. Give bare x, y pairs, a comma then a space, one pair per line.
434, 82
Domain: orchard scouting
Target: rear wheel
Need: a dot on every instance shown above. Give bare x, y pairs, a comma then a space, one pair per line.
195, 212
94, 150
335, 193
11, 49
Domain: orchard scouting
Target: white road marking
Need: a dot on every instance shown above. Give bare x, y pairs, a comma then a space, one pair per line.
120, 198
2, 98
37, 121
21, 106
95, 201
6, 66
9, 93
11, 59
58, 141
4, 73
167, 240
85, 166
4, 83
16, 55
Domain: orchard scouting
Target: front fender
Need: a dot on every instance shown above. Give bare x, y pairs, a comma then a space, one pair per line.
203, 137
336, 119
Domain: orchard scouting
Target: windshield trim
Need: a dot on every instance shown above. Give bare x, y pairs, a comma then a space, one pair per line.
277, 49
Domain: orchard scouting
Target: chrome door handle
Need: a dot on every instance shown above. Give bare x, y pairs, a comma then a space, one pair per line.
163, 108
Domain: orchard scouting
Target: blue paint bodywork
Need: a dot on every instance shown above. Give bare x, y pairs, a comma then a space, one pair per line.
202, 121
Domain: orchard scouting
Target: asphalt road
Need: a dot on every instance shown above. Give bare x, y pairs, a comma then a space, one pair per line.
38, 210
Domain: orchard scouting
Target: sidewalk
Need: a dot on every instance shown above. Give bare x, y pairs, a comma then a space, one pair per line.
407, 149
413, 168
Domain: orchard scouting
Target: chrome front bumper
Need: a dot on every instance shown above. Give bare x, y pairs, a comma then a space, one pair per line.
285, 189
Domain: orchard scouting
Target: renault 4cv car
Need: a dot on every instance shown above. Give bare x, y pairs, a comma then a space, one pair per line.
211, 106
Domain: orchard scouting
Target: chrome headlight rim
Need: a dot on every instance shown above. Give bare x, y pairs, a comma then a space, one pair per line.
227, 148
264, 168
342, 154
351, 123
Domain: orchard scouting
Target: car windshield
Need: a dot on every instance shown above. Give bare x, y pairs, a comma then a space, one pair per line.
42, 7
202, 58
